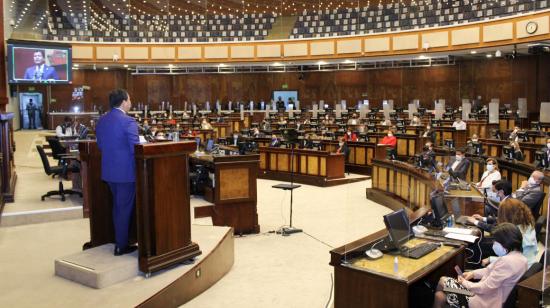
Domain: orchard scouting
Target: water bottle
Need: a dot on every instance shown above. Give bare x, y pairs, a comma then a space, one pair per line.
395, 265
450, 221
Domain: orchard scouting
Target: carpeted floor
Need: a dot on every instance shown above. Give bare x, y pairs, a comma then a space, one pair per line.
270, 270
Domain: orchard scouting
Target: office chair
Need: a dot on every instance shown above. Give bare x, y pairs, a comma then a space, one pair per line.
57, 149
61, 171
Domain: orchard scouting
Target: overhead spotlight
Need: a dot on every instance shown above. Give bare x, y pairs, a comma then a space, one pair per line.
498, 54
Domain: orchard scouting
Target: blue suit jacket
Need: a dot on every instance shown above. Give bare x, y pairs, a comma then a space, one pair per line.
48, 73
117, 134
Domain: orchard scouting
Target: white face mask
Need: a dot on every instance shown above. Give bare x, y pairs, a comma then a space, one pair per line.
458, 157
498, 249
490, 168
548, 145
389, 135
340, 143
532, 181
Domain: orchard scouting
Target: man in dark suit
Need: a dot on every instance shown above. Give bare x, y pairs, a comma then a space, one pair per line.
31, 112
428, 157
530, 191
459, 165
117, 134
40, 71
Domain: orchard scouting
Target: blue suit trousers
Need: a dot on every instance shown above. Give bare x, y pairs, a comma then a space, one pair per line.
124, 197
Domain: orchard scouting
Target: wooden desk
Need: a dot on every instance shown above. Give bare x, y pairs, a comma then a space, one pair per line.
234, 191
398, 184
470, 202
310, 166
363, 283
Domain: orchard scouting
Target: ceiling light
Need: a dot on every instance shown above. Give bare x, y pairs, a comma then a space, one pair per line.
125, 65
321, 63
489, 55
106, 68
473, 52
498, 53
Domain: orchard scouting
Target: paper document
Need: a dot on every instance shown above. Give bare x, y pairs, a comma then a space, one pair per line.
458, 230
462, 237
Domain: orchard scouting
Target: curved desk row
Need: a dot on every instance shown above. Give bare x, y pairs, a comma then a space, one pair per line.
359, 282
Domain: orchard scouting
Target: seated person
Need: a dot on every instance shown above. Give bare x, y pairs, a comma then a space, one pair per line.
428, 157
546, 150
518, 154
275, 142
470, 144
459, 165
255, 132
490, 175
514, 134
529, 187
353, 120
495, 281
516, 212
429, 133
350, 136
265, 125
504, 190
386, 122
343, 148
66, 128
307, 142
205, 124
416, 121
281, 121
389, 139
458, 124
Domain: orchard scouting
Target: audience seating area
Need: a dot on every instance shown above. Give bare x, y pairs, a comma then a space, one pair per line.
396, 17
110, 27
102, 25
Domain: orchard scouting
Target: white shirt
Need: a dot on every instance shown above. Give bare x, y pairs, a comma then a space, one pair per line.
459, 125
59, 131
488, 178
455, 164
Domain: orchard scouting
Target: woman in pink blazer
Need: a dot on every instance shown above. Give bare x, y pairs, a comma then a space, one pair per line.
495, 281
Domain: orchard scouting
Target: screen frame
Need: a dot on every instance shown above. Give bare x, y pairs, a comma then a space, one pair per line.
11, 44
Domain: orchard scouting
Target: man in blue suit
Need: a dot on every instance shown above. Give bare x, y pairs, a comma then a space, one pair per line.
117, 134
40, 71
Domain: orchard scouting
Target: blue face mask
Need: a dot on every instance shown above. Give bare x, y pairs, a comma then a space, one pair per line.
499, 250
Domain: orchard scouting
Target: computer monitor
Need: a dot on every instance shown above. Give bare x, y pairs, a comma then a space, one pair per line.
401, 122
542, 159
436, 123
375, 110
209, 145
522, 136
371, 128
393, 115
450, 143
372, 115
399, 109
478, 148
401, 129
439, 209
421, 111
448, 116
508, 152
399, 229
449, 110
418, 161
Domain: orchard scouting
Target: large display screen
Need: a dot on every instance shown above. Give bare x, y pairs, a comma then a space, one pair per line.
39, 63
285, 95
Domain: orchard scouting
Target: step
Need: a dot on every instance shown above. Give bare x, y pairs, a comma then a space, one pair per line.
97, 267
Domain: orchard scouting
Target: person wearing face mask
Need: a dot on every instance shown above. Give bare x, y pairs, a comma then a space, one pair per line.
416, 121
514, 135
459, 165
428, 157
389, 139
429, 133
516, 212
490, 175
343, 148
350, 136
530, 191
470, 148
504, 191
275, 142
496, 281
518, 154
458, 124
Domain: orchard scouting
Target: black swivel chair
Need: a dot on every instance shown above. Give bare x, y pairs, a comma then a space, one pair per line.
58, 150
61, 171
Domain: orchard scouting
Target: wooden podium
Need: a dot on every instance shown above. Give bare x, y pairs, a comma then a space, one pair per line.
162, 196
380, 151
163, 208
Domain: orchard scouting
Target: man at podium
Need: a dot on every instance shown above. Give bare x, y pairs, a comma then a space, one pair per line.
117, 134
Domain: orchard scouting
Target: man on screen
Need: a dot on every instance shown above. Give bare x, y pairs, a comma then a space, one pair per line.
40, 71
